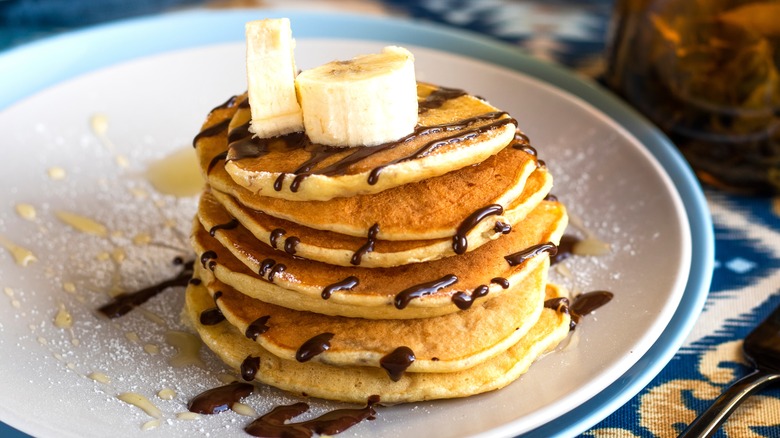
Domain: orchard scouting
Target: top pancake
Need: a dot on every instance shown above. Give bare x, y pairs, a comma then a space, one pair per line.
460, 132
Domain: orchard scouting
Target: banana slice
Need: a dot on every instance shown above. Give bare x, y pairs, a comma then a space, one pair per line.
366, 101
270, 68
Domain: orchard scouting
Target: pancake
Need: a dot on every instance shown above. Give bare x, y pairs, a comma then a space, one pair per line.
458, 132
339, 249
409, 212
356, 384
447, 343
254, 268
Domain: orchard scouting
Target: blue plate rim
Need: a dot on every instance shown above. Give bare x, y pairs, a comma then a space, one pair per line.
227, 26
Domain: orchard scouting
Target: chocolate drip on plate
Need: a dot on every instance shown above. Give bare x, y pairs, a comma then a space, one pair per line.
396, 362
519, 257
565, 248
125, 302
403, 298
227, 226
559, 304
219, 399
459, 242
313, 347
249, 368
586, 303
257, 327
348, 283
582, 305
275, 424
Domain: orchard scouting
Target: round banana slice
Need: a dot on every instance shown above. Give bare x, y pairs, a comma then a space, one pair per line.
453, 131
366, 101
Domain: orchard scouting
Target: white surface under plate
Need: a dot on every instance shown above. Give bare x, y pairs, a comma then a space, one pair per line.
153, 107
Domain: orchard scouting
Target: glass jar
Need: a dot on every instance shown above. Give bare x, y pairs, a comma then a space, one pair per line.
707, 72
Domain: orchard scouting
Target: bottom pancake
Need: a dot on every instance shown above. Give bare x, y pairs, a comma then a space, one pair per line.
445, 343
356, 384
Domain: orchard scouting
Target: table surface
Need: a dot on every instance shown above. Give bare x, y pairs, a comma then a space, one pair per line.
747, 230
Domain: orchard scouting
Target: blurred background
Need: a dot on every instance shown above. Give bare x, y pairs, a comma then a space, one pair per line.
571, 32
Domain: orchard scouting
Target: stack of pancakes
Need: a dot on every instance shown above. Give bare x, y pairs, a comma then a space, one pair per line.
412, 270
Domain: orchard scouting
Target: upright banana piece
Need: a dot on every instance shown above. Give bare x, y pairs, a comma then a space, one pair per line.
270, 68
366, 101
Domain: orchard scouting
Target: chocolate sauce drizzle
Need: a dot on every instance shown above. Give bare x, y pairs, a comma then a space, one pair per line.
403, 298
459, 242
428, 148
278, 183
275, 424
257, 327
125, 302
249, 368
212, 316
503, 228
438, 97
226, 226
396, 362
520, 257
501, 281
290, 244
313, 347
367, 247
464, 300
208, 257
219, 399
211, 131
348, 283
195, 281
275, 235
217, 158
242, 146
270, 267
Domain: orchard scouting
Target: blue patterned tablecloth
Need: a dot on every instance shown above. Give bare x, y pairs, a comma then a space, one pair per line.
746, 278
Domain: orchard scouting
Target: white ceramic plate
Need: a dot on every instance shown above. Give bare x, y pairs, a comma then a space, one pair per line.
154, 105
